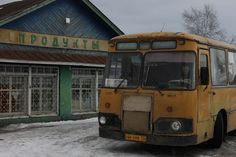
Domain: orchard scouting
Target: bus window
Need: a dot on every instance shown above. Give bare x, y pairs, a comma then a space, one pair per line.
169, 70
232, 68
218, 67
203, 61
124, 68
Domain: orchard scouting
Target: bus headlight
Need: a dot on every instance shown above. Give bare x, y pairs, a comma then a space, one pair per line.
109, 120
176, 125
102, 120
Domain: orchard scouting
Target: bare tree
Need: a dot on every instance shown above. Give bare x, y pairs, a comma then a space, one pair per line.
203, 22
232, 40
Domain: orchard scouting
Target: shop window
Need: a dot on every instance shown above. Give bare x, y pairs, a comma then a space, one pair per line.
44, 90
13, 89
84, 89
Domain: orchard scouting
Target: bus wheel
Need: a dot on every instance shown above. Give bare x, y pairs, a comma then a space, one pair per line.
218, 137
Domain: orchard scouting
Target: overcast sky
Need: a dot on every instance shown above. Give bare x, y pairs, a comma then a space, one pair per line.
133, 16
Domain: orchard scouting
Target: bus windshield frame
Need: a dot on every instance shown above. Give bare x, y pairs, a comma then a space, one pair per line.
177, 83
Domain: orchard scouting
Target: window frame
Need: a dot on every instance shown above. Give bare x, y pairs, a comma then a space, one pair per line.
226, 66
234, 52
125, 50
169, 48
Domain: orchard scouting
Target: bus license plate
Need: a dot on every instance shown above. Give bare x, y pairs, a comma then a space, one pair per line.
137, 138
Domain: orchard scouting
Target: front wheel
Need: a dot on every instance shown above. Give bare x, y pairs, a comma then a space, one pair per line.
218, 137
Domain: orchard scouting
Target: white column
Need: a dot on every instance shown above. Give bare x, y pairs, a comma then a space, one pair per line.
96, 89
29, 91
10, 94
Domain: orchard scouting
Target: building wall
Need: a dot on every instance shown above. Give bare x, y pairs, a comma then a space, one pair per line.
50, 19
37, 101
65, 91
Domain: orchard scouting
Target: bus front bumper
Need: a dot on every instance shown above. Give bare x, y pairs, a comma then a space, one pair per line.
152, 139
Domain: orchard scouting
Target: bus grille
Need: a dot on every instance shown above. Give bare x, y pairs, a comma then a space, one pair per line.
136, 114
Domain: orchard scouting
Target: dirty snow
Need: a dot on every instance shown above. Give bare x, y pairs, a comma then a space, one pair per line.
80, 139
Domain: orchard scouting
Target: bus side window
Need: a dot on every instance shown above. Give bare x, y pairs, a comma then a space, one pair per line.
218, 67
203, 61
232, 68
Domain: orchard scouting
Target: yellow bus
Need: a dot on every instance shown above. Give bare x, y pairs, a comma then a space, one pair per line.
174, 89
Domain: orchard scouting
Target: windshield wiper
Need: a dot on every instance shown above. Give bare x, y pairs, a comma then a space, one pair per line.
119, 85
159, 90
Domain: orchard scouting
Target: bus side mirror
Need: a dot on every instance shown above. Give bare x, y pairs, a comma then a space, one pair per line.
204, 75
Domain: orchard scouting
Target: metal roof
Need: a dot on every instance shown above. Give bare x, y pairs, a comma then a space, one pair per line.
34, 57
12, 11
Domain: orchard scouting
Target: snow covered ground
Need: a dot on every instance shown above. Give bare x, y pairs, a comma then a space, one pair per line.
80, 139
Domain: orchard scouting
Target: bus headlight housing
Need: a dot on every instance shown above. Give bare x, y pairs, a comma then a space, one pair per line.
173, 126
109, 120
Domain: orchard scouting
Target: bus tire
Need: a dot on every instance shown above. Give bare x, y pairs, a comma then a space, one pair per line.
218, 135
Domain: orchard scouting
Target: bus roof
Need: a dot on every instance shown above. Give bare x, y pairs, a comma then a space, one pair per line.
175, 35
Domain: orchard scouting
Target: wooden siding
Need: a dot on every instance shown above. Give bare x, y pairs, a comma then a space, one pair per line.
50, 19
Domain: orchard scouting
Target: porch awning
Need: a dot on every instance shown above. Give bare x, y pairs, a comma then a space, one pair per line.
27, 57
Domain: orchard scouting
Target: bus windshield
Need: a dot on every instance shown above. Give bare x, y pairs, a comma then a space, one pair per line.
123, 70
169, 70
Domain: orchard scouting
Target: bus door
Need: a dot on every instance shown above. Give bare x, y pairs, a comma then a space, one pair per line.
204, 96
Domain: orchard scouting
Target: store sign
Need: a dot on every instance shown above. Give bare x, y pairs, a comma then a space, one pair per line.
51, 41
